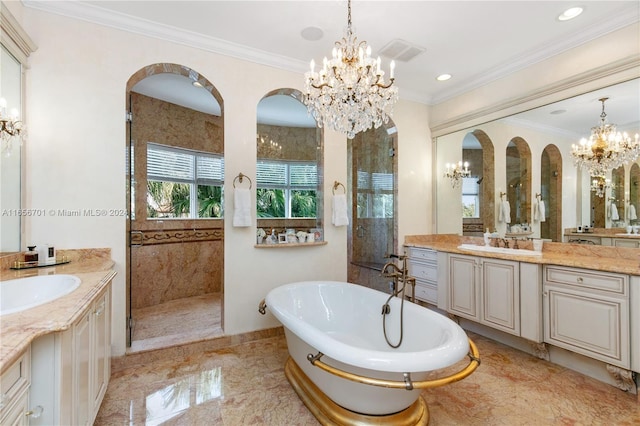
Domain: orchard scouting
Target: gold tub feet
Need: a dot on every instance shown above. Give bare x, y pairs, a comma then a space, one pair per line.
329, 413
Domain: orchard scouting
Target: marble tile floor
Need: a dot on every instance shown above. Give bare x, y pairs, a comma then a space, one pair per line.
177, 322
244, 384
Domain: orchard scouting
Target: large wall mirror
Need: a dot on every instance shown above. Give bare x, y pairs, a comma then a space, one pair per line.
11, 156
288, 170
549, 132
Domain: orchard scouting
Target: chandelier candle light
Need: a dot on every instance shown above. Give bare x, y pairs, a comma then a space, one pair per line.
599, 185
455, 172
606, 148
349, 93
10, 127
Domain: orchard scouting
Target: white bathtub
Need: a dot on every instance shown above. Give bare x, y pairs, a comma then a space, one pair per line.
344, 322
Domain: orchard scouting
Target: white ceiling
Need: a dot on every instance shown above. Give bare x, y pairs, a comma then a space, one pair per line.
475, 41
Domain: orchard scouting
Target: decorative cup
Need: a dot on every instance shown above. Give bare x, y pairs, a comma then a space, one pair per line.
629, 229
311, 237
537, 245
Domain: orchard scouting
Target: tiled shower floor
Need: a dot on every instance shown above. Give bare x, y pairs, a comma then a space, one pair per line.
244, 384
177, 322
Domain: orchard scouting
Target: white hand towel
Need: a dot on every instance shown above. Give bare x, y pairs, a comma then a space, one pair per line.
340, 216
242, 207
632, 212
505, 212
536, 211
541, 211
613, 212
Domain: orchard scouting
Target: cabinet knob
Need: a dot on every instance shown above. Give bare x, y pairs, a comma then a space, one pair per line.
35, 412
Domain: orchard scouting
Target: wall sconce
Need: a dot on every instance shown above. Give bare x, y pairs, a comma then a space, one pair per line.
11, 128
455, 172
599, 185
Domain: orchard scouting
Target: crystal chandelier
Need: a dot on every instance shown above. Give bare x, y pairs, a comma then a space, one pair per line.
599, 185
606, 148
11, 128
349, 93
455, 172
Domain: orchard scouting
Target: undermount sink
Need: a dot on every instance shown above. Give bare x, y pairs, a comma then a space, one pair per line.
25, 293
501, 250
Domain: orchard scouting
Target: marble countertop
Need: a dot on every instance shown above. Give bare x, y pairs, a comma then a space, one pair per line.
601, 233
94, 267
600, 258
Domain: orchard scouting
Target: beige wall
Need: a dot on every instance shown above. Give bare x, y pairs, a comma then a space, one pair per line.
75, 156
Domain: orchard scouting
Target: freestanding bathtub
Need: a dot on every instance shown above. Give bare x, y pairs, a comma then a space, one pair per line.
341, 325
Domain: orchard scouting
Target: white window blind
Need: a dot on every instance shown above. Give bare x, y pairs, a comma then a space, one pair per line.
165, 163
470, 185
283, 174
382, 181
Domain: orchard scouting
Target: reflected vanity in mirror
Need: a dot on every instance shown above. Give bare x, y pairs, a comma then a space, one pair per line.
288, 171
551, 180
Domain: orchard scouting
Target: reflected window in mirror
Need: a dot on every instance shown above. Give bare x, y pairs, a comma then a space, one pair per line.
519, 181
289, 162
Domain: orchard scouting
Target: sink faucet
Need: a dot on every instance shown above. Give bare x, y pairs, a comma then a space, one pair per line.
505, 242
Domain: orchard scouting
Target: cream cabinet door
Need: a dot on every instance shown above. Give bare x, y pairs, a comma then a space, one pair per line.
500, 307
463, 286
590, 324
82, 369
101, 349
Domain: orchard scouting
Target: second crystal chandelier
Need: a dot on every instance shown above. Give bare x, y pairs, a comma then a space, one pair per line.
349, 93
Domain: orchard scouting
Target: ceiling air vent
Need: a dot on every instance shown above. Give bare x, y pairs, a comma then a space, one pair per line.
401, 50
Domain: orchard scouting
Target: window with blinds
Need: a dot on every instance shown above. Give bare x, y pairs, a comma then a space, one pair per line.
286, 189
375, 195
183, 183
470, 197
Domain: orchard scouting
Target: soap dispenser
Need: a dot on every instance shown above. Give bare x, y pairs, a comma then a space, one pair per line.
31, 255
487, 238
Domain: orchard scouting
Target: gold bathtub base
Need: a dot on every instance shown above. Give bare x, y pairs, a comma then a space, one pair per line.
329, 413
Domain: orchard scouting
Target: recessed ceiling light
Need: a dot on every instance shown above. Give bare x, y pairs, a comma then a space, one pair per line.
312, 33
443, 77
558, 111
570, 13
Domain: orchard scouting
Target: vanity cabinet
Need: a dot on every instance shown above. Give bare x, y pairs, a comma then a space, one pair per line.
14, 399
587, 312
71, 368
422, 264
486, 291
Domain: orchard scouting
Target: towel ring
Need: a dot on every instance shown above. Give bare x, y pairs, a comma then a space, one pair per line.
336, 184
539, 196
240, 177
502, 194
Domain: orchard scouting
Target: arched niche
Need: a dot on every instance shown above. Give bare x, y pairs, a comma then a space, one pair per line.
550, 194
478, 151
518, 181
616, 216
634, 193
289, 143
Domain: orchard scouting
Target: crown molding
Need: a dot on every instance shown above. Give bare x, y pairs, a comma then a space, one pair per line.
618, 71
539, 54
14, 37
120, 21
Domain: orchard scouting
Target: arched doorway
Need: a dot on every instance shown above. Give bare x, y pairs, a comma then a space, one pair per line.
175, 176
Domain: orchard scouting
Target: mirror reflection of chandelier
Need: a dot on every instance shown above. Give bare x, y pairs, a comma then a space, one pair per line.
606, 148
456, 172
349, 93
599, 185
267, 148
11, 128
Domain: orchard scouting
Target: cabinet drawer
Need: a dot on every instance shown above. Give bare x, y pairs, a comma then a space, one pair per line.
14, 380
609, 282
427, 292
423, 254
423, 271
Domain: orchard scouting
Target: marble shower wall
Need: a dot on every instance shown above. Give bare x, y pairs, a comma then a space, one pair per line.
172, 258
